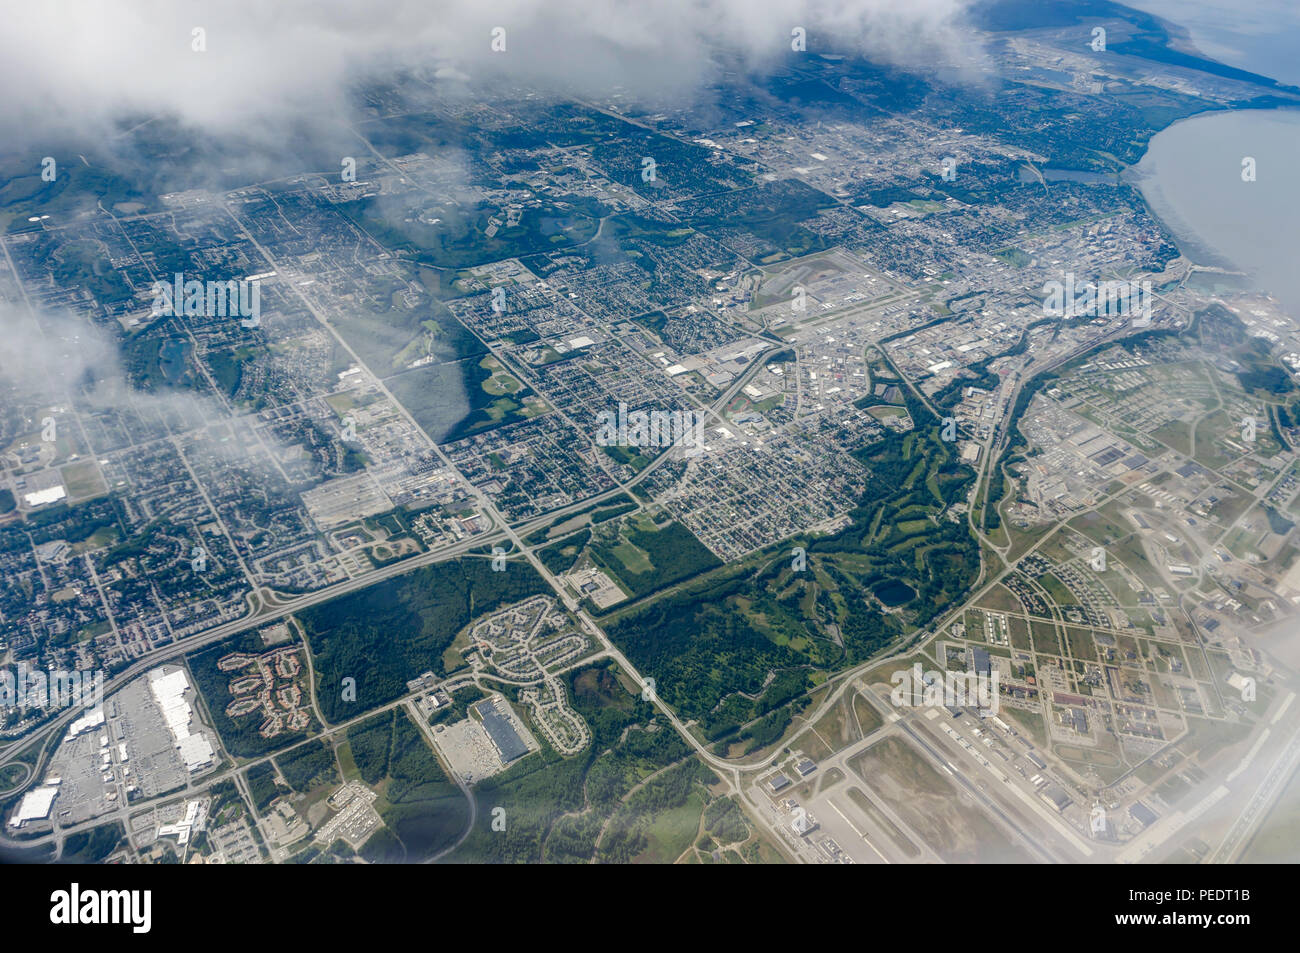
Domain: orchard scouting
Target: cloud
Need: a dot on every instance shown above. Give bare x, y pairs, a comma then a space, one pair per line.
85, 62
260, 83
46, 362
58, 360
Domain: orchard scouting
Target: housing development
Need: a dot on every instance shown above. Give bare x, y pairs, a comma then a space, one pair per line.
844, 464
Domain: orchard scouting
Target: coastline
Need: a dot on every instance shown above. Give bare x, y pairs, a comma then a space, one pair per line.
1194, 240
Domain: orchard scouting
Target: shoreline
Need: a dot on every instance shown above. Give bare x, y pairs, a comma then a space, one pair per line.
1191, 243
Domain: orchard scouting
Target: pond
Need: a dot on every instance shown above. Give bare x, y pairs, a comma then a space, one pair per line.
172, 359
894, 592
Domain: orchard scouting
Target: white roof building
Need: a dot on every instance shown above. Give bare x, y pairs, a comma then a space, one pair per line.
195, 816
91, 719
168, 690
35, 806
196, 751
49, 495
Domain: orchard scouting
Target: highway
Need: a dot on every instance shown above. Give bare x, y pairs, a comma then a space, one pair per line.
268, 607
271, 607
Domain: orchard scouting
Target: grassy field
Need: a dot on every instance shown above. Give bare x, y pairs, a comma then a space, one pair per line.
1081, 644
645, 556
1030, 722
1277, 841
929, 804
849, 720
83, 480
882, 821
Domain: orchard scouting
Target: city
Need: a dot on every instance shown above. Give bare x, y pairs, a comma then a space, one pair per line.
573, 478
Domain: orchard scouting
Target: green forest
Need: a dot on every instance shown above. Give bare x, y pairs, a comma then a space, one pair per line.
389, 633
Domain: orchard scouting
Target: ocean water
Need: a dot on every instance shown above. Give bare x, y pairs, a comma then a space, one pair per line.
1262, 36
1191, 177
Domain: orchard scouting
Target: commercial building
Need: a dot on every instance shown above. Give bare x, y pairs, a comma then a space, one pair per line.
169, 690
35, 806
502, 732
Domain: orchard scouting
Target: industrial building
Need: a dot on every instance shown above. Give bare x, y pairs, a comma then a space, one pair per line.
169, 690
501, 730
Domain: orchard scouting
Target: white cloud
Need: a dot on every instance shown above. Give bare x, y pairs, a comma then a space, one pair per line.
87, 60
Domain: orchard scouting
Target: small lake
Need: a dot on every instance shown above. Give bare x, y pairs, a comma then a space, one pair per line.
172, 359
894, 593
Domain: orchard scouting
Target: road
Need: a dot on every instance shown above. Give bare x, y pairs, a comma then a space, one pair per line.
501, 529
